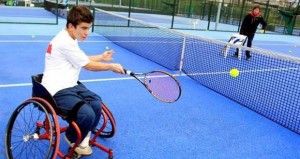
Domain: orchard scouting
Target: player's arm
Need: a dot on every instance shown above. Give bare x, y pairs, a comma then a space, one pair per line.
106, 56
100, 66
263, 23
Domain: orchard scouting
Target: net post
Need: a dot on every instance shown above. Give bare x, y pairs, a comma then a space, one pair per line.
209, 13
241, 14
182, 53
56, 12
129, 13
173, 14
94, 15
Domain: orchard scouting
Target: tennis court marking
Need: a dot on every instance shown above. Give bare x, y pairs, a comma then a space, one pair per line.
93, 41
179, 74
90, 80
52, 35
84, 81
42, 41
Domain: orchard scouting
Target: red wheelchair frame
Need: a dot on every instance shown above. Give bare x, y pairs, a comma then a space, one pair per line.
34, 128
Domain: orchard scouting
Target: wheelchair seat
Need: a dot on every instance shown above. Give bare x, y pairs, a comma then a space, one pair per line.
38, 90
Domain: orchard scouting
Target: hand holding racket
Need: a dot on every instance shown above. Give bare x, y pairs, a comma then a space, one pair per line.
160, 84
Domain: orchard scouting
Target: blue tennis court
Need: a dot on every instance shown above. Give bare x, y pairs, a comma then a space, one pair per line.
216, 117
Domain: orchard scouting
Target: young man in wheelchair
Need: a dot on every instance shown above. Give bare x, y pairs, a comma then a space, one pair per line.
63, 62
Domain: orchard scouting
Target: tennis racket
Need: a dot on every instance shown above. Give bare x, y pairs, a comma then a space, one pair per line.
160, 84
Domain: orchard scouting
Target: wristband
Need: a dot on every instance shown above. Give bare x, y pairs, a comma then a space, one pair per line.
113, 66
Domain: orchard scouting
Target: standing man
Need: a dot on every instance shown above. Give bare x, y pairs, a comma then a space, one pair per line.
249, 27
63, 62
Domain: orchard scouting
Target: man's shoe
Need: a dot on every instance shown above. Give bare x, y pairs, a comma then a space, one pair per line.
84, 151
81, 151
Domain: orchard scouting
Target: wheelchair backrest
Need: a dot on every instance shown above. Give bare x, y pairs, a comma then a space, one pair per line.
38, 90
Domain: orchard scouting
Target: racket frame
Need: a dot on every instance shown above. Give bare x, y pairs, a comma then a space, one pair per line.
143, 76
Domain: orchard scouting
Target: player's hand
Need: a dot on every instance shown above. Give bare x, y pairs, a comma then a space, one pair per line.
107, 55
262, 31
118, 68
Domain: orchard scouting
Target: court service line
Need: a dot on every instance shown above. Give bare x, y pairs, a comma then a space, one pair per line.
91, 41
84, 81
180, 74
294, 45
43, 41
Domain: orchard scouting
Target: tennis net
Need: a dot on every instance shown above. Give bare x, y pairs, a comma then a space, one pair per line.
136, 35
26, 15
268, 84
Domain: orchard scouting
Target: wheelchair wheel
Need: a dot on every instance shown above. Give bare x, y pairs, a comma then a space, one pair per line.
110, 127
32, 131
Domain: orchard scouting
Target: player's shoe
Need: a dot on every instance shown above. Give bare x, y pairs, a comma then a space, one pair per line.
84, 151
81, 151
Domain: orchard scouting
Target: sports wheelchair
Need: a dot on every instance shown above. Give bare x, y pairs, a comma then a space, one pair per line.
33, 130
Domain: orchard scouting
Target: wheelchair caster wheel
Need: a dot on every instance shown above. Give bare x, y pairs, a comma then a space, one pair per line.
110, 154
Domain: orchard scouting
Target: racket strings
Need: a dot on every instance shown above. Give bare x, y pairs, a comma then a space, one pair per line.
163, 86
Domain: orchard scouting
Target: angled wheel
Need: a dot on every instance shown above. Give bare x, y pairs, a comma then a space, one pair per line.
32, 131
107, 124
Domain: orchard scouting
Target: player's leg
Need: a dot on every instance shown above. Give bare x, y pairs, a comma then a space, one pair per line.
94, 101
249, 44
69, 101
236, 54
241, 39
85, 119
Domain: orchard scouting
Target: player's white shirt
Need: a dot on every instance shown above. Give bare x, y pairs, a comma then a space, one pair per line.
63, 62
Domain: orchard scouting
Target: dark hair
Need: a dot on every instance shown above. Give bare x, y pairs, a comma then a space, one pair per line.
79, 14
257, 6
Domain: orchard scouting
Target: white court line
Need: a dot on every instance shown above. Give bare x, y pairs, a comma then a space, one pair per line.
42, 41
84, 81
90, 80
15, 85
274, 45
93, 41
39, 35
130, 78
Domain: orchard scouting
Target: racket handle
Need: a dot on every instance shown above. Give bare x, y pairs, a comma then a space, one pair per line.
128, 72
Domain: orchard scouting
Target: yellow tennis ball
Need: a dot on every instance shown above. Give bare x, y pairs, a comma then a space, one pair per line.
262, 31
33, 36
234, 72
107, 48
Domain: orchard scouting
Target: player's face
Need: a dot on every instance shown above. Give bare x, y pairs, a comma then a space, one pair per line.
81, 31
256, 11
